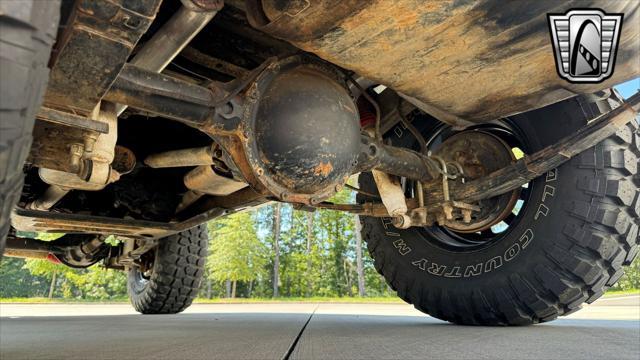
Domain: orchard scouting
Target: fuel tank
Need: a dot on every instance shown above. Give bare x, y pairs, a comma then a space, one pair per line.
459, 60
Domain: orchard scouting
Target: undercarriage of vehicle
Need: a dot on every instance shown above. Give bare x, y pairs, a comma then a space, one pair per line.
161, 116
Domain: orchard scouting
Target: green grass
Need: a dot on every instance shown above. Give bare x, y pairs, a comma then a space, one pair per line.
42, 300
39, 300
315, 299
611, 293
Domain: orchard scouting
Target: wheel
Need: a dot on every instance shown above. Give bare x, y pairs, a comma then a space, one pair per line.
171, 277
561, 244
27, 32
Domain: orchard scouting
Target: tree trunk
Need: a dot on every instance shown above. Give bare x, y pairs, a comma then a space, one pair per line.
227, 287
276, 249
338, 263
250, 288
347, 274
52, 287
359, 264
208, 288
309, 262
233, 289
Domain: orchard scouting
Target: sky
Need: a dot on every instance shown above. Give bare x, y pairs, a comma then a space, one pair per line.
628, 88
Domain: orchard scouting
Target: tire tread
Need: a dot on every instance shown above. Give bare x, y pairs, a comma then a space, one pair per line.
601, 237
27, 33
176, 276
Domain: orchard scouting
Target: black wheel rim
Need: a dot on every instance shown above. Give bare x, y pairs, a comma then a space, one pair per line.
469, 242
142, 273
140, 279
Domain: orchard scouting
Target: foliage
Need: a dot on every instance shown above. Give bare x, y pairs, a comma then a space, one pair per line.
236, 254
45, 268
15, 281
241, 258
631, 278
98, 283
94, 283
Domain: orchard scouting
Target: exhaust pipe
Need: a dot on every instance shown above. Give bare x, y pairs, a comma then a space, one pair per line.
184, 157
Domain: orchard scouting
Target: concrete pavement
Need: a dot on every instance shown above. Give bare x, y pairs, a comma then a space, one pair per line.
609, 328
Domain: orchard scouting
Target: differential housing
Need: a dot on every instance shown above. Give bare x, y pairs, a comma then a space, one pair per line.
305, 130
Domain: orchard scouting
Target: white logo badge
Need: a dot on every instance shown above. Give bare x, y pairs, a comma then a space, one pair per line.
585, 42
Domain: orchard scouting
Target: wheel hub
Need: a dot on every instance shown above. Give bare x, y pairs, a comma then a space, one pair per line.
479, 154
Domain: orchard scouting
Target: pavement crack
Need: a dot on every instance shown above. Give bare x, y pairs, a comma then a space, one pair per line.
293, 345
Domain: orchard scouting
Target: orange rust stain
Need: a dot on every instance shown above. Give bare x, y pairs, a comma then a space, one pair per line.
407, 19
323, 169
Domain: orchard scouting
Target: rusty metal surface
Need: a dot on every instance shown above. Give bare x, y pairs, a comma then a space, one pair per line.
68, 180
29, 244
96, 42
164, 95
301, 130
242, 199
52, 143
51, 196
244, 123
204, 179
460, 60
63, 118
479, 154
206, 60
391, 192
203, 5
25, 254
183, 157
172, 37
394, 160
231, 121
124, 160
498, 182
45, 221
532, 166
208, 208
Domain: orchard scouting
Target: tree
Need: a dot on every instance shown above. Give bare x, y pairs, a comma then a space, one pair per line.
15, 281
273, 251
236, 253
94, 282
309, 248
359, 264
276, 249
47, 270
336, 231
97, 282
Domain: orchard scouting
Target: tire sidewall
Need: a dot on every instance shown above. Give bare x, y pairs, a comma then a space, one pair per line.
525, 245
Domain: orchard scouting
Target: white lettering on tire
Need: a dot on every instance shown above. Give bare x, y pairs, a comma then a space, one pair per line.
477, 269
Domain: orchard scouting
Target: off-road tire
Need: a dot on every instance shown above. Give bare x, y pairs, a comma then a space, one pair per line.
176, 274
585, 232
27, 32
